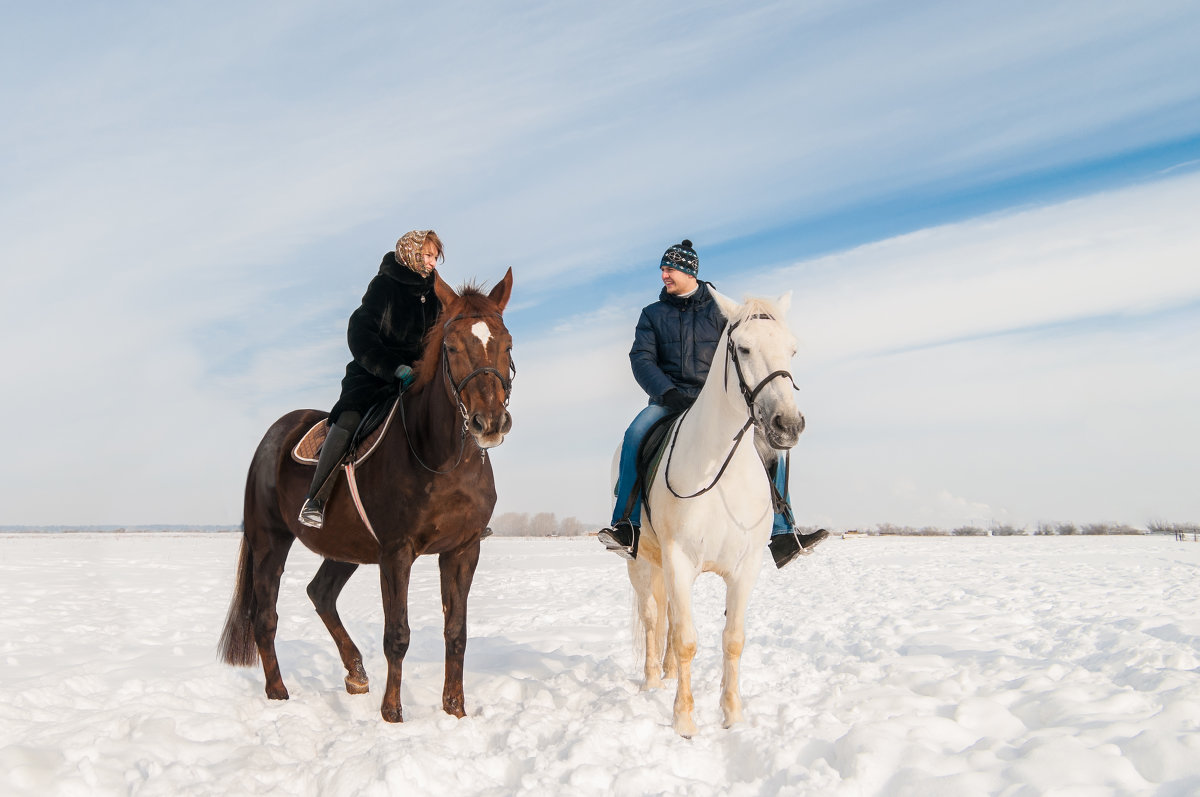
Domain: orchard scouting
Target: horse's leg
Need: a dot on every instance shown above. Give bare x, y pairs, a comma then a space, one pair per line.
670, 662
643, 574
394, 573
680, 574
457, 569
737, 595
323, 590
268, 569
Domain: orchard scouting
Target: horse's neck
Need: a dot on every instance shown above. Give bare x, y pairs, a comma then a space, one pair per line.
432, 424
714, 420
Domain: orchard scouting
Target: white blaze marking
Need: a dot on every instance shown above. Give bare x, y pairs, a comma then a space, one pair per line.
482, 332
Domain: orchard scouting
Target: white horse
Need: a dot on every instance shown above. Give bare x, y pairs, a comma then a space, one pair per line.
709, 504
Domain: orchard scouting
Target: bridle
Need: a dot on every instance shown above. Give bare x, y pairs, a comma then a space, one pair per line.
456, 389
747, 393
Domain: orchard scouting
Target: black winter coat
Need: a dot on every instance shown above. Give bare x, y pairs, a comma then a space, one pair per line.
385, 332
674, 343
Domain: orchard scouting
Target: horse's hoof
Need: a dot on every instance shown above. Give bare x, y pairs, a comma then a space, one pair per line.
685, 727
392, 714
357, 686
649, 684
280, 693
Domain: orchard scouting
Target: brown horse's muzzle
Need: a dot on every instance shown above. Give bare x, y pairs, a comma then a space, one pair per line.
490, 428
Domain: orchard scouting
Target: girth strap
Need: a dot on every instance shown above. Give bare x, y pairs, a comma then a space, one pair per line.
362, 510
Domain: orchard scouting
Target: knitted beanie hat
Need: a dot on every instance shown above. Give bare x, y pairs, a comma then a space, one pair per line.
681, 257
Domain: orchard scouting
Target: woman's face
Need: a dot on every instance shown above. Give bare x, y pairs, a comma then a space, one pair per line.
429, 255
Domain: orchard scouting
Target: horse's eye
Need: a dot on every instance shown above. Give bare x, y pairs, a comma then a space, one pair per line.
743, 350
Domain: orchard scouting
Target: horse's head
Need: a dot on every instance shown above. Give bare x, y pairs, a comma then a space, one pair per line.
758, 356
475, 356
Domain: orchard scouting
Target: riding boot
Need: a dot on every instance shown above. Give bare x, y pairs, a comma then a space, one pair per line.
337, 440
786, 547
622, 538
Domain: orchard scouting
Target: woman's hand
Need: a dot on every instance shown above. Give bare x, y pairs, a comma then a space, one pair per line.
405, 376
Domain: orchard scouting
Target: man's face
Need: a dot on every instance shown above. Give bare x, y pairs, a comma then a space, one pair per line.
676, 282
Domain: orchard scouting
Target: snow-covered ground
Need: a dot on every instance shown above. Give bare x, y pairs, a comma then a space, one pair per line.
1016, 666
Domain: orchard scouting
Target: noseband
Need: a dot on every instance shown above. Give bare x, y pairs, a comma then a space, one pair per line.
747, 393
456, 391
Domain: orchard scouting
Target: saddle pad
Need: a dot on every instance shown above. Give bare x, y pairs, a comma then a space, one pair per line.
309, 448
651, 449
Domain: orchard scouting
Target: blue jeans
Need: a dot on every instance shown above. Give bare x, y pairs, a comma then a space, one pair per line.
627, 472
780, 525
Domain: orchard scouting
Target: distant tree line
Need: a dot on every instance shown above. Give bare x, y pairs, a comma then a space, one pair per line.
541, 524
547, 524
1040, 530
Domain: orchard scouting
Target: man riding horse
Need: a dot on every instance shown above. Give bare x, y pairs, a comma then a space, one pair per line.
673, 348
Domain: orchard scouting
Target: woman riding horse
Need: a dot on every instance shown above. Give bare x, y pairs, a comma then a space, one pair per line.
385, 335
672, 352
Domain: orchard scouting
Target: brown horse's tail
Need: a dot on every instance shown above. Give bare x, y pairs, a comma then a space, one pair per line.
237, 640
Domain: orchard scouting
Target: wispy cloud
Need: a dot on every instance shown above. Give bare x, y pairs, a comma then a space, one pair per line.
194, 199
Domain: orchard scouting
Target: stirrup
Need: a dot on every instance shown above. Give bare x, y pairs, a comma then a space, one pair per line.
614, 539
810, 541
312, 514
786, 547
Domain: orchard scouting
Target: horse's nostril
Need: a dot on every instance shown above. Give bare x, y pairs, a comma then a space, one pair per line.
477, 423
506, 424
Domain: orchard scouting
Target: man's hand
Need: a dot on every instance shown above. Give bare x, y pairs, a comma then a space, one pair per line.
676, 401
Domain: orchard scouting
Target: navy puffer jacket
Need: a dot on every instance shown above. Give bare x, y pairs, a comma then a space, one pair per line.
674, 344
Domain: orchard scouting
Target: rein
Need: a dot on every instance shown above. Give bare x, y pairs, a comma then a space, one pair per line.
456, 392
747, 394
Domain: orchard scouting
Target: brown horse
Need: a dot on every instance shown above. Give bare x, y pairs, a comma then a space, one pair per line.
427, 489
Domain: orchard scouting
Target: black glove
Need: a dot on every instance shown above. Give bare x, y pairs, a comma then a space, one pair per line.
676, 401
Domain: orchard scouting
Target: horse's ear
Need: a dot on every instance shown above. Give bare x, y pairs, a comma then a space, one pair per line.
442, 289
502, 291
784, 303
729, 307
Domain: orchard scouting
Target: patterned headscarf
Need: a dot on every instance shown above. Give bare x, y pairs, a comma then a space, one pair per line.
408, 250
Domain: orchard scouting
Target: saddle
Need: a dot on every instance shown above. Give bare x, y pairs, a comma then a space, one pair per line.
649, 457
366, 438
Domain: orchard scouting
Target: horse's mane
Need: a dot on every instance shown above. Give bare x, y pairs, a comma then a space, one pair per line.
753, 305
471, 301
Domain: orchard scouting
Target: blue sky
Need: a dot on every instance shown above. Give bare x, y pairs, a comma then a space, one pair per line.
986, 213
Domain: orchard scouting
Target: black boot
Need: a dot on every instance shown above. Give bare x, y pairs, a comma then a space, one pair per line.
786, 547
337, 440
621, 539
